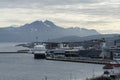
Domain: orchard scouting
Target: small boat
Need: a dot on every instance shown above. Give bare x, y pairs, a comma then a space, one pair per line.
108, 66
115, 63
115, 56
111, 72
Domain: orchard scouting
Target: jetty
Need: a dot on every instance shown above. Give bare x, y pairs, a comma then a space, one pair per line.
11, 52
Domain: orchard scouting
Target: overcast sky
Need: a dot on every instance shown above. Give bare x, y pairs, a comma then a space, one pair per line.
102, 15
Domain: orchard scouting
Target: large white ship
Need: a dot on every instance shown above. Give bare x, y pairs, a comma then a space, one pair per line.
39, 51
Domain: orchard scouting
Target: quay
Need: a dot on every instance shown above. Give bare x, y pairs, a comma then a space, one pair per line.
94, 61
14, 52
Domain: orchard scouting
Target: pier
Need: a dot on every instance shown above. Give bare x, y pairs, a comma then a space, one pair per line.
11, 52
94, 61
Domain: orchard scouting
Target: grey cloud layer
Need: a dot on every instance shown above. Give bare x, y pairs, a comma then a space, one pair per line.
90, 7
96, 11
40, 3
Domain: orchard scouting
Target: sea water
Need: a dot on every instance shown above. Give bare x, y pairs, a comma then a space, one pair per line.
24, 67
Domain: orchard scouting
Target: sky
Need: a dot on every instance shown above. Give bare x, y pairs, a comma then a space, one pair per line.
102, 15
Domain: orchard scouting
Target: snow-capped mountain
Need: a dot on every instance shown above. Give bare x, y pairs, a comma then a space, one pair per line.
43, 30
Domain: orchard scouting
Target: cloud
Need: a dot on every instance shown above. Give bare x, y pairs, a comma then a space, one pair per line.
37, 3
100, 13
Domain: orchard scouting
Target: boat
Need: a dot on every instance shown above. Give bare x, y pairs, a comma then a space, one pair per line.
115, 56
115, 63
39, 51
110, 73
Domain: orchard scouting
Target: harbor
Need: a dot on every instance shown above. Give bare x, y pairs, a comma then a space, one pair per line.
99, 53
65, 52
80, 52
59, 39
108, 56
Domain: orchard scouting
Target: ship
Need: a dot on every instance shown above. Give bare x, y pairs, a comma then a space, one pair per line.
115, 56
39, 51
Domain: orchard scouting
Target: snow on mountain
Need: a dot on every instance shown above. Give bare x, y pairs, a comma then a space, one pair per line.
44, 30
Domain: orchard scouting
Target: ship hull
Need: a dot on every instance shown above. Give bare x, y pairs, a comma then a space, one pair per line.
39, 56
115, 65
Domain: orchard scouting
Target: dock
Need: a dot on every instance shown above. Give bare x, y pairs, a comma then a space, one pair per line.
79, 60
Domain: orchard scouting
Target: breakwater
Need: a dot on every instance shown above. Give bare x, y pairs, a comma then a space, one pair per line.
11, 52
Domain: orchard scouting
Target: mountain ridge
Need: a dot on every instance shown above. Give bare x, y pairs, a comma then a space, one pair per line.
43, 29
86, 38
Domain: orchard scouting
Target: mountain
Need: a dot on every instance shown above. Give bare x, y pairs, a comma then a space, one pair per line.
108, 37
43, 30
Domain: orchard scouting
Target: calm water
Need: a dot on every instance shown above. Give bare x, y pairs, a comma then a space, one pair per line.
24, 67
10, 47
